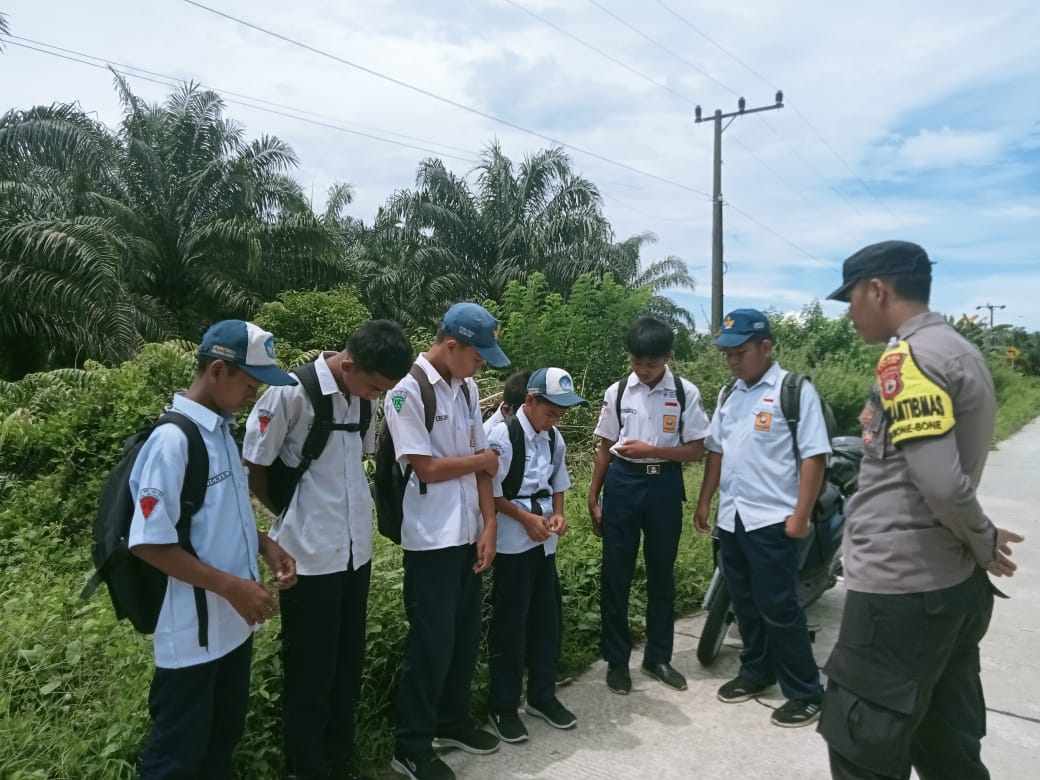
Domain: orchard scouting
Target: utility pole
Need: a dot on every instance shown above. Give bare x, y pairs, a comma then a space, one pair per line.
716, 221
991, 307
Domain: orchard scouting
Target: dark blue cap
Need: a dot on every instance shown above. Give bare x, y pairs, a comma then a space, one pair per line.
472, 324
742, 324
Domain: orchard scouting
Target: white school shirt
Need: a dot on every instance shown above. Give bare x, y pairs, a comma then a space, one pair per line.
491, 422
328, 522
448, 514
759, 475
541, 472
652, 415
223, 532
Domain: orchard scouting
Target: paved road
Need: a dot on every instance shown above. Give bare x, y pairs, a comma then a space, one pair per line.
661, 734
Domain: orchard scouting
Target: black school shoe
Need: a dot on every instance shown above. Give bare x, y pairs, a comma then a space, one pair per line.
425, 766
618, 678
739, 689
553, 713
665, 674
795, 714
508, 726
471, 740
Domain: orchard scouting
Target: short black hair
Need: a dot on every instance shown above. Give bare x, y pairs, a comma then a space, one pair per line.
381, 347
649, 337
204, 361
514, 391
910, 287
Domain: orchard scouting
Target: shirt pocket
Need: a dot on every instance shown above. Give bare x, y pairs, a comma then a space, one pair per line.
874, 432
767, 421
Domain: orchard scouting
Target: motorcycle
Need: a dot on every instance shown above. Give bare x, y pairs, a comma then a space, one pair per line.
820, 551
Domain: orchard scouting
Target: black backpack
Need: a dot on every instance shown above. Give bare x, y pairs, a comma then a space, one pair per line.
136, 588
515, 476
282, 480
791, 407
680, 396
390, 479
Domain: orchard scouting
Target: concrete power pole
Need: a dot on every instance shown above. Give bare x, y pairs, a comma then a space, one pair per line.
716, 221
991, 307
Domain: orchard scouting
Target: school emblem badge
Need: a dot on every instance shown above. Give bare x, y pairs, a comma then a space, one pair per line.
397, 401
269, 347
148, 500
566, 384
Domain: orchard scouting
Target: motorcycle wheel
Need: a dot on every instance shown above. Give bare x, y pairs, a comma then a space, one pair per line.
716, 626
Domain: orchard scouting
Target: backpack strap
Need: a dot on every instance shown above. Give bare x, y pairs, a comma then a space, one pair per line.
791, 406
515, 476
428, 396
621, 385
318, 436
193, 494
680, 396
552, 442
727, 391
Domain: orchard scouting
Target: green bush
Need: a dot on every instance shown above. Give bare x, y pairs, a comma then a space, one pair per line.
312, 320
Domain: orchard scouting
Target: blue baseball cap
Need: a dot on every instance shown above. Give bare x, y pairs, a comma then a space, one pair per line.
742, 324
472, 324
247, 346
556, 386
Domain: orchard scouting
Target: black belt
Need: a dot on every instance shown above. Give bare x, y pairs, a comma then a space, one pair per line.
645, 469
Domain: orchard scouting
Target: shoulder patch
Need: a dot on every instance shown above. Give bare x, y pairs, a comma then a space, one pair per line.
916, 407
397, 399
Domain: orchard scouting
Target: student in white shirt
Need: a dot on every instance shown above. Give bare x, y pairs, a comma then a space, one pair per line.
764, 509
644, 440
448, 537
514, 391
525, 621
200, 693
327, 527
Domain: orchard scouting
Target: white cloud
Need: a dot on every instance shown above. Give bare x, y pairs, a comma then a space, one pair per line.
947, 148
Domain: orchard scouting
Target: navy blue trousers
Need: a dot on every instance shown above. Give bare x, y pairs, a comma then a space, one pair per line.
525, 620
650, 506
442, 599
323, 654
761, 571
198, 714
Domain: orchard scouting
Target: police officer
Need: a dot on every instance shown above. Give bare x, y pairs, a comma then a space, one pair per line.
650, 424
904, 687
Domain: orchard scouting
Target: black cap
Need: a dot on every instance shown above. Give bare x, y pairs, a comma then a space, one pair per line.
885, 259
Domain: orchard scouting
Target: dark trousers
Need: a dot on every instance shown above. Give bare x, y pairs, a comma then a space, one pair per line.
651, 505
761, 571
442, 599
198, 714
525, 620
904, 687
323, 654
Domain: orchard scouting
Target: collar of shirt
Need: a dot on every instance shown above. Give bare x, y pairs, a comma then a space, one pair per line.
435, 376
667, 381
770, 377
529, 432
919, 322
326, 380
206, 418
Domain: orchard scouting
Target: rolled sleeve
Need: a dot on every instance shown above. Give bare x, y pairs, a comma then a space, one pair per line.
695, 421
608, 427
267, 426
155, 483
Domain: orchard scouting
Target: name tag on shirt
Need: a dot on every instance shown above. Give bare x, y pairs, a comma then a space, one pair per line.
669, 422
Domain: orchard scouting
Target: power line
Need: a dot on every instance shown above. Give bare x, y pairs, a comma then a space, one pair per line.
659, 45
768, 229
656, 83
247, 100
794, 108
442, 99
165, 80
600, 52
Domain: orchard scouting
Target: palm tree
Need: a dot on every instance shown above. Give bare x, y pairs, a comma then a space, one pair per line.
446, 240
218, 225
669, 273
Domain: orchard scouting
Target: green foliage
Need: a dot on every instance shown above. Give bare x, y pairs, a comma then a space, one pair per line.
583, 332
314, 319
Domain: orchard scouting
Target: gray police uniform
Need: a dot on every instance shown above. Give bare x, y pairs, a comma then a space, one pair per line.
904, 683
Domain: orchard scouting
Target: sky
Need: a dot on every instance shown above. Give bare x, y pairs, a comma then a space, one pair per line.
917, 121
